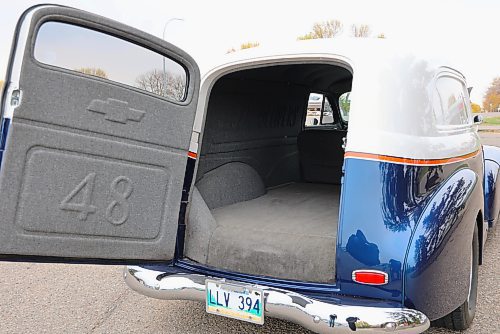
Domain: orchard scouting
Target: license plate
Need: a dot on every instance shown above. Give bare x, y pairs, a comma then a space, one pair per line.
235, 301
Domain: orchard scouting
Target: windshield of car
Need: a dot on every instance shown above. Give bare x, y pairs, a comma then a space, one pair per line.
315, 97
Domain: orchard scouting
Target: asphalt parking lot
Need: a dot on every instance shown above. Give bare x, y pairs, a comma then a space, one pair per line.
58, 298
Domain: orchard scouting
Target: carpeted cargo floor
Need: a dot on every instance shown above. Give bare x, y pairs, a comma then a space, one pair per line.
290, 232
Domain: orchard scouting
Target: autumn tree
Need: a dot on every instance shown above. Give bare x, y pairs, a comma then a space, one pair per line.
164, 84
97, 72
362, 30
491, 100
249, 45
243, 46
475, 107
325, 29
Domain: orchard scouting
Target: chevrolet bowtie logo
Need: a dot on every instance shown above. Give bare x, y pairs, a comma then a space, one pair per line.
116, 111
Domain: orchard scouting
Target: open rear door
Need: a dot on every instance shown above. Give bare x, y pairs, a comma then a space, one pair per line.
97, 120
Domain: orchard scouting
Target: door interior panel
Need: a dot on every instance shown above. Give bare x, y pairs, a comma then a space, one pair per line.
93, 168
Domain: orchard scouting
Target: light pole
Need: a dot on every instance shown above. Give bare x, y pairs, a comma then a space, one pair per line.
163, 36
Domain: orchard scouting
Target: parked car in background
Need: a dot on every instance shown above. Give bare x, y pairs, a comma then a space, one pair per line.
218, 187
314, 108
319, 110
315, 102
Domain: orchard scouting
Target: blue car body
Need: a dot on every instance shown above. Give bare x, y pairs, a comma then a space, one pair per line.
415, 230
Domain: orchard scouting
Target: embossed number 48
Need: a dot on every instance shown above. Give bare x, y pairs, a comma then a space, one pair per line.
84, 207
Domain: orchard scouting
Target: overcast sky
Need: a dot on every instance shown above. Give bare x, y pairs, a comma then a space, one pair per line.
466, 31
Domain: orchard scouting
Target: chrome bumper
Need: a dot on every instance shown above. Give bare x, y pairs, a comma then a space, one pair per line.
312, 314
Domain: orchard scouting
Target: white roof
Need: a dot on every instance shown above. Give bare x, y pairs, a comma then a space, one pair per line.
355, 50
391, 110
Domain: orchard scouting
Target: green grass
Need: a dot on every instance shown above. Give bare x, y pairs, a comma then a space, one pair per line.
492, 121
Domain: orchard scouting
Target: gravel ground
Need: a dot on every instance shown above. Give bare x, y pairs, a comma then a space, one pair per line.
58, 298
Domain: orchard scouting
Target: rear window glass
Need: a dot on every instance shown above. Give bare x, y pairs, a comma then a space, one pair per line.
101, 55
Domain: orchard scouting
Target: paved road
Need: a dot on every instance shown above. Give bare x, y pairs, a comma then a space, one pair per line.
490, 138
57, 298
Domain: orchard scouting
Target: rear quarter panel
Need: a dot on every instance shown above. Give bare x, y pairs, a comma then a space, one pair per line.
413, 222
437, 266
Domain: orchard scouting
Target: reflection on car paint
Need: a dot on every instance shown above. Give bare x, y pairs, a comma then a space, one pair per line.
394, 197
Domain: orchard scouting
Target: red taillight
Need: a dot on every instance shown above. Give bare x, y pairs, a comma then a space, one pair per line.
372, 277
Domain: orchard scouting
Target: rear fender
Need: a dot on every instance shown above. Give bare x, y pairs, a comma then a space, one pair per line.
382, 206
437, 265
491, 187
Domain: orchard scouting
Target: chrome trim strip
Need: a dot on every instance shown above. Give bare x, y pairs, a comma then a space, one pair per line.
315, 315
386, 276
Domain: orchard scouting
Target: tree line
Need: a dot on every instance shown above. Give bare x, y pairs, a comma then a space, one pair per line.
333, 28
243, 46
323, 29
154, 81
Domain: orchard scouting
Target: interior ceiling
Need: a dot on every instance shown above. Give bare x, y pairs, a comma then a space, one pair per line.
321, 78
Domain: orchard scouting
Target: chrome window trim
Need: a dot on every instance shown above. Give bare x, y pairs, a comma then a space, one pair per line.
15, 62
456, 75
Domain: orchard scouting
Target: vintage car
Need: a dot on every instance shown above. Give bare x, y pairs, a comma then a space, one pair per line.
116, 150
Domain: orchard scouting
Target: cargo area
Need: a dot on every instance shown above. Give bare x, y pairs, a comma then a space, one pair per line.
267, 189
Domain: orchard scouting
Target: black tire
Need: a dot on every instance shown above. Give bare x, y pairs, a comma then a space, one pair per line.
462, 317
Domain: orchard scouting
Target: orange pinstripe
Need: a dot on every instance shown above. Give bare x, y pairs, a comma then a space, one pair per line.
410, 161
